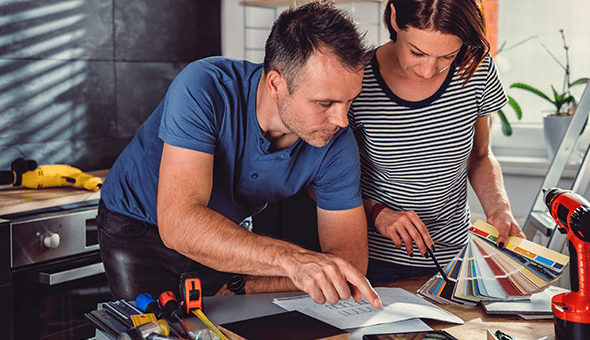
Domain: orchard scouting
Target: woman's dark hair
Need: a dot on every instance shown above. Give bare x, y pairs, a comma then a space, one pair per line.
462, 18
301, 31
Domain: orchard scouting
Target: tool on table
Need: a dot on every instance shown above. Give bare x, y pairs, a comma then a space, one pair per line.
155, 336
146, 303
117, 317
140, 319
170, 304
143, 331
502, 336
190, 293
28, 174
572, 310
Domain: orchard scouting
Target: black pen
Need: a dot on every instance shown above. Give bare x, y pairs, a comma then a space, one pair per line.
440, 270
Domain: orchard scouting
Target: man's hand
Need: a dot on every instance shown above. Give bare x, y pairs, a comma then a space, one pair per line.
404, 227
506, 226
326, 277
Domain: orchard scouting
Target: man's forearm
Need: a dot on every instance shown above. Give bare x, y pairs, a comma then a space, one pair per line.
268, 284
214, 241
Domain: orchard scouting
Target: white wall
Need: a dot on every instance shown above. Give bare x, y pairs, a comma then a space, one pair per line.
530, 62
245, 28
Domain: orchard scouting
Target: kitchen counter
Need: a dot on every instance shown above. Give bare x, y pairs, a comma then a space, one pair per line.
15, 200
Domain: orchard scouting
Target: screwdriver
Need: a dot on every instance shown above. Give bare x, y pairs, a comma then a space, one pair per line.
169, 302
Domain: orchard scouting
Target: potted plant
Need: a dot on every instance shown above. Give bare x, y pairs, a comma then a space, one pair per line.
564, 104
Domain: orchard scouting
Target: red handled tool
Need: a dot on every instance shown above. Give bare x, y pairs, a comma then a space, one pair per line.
572, 310
190, 292
169, 303
192, 300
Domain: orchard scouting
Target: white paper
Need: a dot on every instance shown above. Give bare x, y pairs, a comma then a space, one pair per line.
537, 303
397, 305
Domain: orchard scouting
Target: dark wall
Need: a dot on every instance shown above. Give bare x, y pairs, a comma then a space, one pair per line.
78, 77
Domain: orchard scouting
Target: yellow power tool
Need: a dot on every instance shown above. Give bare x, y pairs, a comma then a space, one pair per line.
26, 173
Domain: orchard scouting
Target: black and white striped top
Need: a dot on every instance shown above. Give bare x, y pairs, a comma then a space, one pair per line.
414, 155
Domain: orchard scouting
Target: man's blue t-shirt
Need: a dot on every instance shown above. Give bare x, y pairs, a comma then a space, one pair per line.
211, 107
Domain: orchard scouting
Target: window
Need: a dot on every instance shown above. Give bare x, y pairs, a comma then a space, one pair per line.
524, 27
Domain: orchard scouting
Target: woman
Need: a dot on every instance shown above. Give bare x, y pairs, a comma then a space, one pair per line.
423, 123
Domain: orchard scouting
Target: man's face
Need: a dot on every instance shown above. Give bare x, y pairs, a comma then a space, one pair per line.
319, 105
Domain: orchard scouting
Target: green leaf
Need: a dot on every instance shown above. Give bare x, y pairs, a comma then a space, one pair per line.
515, 107
560, 99
556, 95
532, 90
506, 128
579, 82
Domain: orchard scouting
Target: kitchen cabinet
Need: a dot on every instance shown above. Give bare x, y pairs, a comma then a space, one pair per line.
5, 293
50, 267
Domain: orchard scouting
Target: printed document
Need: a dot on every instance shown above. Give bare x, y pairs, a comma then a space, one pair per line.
398, 304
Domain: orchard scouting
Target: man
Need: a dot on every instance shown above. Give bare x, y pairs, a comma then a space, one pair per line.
229, 137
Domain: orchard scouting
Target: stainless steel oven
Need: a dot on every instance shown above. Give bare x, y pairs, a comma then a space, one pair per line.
56, 274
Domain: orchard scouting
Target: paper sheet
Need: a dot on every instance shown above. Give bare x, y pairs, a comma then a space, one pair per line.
398, 304
537, 304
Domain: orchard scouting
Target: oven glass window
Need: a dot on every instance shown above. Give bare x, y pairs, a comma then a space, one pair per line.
52, 312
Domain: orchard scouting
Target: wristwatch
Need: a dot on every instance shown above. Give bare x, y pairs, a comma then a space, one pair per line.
237, 285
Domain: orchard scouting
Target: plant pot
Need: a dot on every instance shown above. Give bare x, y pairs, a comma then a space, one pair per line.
554, 128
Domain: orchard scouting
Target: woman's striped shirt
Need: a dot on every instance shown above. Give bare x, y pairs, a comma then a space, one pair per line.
414, 155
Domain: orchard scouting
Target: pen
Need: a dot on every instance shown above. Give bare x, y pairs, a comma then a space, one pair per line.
502, 336
441, 271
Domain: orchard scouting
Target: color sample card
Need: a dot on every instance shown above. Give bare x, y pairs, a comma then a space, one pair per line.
484, 272
536, 252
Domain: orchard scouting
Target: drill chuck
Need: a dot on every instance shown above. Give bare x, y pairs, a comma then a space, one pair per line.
570, 211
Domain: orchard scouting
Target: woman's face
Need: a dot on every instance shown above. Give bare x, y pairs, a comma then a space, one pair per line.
423, 54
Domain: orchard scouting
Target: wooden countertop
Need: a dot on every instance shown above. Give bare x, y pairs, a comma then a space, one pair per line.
17, 199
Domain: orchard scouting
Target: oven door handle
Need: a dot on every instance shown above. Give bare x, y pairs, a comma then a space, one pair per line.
71, 275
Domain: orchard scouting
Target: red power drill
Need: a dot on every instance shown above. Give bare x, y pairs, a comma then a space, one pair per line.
572, 310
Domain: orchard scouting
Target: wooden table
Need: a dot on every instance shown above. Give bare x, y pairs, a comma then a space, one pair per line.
539, 328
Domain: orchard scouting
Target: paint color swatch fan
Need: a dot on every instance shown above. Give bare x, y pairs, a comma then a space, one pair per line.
483, 272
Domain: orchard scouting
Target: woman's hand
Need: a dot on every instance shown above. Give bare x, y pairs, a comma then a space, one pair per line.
506, 225
404, 227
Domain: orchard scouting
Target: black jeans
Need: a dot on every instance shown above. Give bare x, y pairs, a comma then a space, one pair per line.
137, 261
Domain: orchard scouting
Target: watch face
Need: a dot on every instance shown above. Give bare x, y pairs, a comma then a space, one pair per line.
236, 284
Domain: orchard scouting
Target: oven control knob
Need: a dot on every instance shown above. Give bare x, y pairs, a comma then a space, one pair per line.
51, 240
